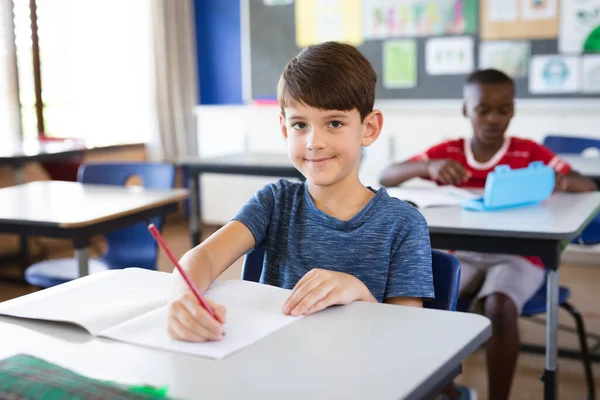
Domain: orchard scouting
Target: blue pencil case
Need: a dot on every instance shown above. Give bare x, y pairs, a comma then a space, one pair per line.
508, 188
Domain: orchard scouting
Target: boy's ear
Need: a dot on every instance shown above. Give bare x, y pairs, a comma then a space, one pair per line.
372, 127
464, 109
282, 125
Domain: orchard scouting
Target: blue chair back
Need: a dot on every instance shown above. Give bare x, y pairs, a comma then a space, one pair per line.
570, 145
577, 145
446, 279
133, 245
446, 276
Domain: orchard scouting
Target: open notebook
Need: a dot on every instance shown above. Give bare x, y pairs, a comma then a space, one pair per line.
423, 197
129, 305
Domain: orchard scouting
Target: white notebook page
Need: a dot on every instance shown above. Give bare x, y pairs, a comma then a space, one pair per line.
253, 312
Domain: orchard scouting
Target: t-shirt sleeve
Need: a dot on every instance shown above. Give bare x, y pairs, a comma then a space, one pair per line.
410, 273
542, 153
257, 212
433, 153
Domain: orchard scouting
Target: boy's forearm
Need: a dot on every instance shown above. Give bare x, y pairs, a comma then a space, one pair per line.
198, 265
402, 172
578, 183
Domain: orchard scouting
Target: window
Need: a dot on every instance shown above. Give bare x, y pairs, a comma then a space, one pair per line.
9, 101
96, 69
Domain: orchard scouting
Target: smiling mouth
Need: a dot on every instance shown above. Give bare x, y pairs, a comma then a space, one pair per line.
318, 161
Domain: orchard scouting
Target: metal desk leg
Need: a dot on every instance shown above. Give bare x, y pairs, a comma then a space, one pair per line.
82, 257
18, 174
23, 248
550, 377
195, 208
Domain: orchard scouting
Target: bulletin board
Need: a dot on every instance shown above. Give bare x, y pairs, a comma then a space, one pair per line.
424, 49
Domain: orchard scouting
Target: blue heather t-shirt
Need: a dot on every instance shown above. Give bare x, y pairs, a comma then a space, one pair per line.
386, 245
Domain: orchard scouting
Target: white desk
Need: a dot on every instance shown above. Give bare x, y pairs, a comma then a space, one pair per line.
360, 351
535, 231
79, 211
586, 166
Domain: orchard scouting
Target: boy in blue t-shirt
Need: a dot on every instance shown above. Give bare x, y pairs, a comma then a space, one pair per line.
331, 239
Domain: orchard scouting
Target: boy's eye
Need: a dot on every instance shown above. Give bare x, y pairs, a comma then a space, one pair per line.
299, 125
335, 124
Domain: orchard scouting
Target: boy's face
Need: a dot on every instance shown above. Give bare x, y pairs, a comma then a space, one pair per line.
325, 145
490, 108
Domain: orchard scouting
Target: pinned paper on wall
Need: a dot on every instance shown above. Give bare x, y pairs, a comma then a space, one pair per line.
591, 74
399, 64
503, 10
538, 9
510, 57
393, 18
318, 21
579, 26
554, 74
449, 56
519, 19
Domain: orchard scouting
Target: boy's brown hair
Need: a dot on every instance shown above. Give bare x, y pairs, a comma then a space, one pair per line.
329, 76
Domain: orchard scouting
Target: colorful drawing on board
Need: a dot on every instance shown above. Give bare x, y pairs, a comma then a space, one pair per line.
592, 43
411, 18
579, 26
399, 64
510, 57
318, 21
554, 74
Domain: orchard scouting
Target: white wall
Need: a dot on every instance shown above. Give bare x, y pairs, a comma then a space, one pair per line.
409, 127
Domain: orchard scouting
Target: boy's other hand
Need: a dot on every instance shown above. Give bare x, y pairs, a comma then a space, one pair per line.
447, 172
189, 321
320, 288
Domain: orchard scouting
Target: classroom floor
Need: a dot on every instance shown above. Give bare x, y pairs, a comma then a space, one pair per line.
583, 280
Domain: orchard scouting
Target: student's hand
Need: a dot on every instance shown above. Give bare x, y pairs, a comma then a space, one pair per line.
189, 321
561, 183
320, 288
447, 172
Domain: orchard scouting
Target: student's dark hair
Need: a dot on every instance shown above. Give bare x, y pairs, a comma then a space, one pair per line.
489, 77
329, 76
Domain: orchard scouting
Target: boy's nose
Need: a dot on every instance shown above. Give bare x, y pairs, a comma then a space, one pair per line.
315, 140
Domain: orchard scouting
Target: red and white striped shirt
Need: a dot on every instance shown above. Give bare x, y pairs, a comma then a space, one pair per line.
515, 152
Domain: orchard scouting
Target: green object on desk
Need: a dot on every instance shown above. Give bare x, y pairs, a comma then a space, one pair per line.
26, 377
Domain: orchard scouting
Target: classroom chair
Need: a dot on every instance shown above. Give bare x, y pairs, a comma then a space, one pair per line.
577, 145
446, 276
132, 246
536, 306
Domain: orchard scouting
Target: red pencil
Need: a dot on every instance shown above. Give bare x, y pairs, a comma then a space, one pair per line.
161, 241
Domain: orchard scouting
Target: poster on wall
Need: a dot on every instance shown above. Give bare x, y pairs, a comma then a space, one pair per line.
538, 9
503, 10
554, 74
399, 64
591, 74
412, 18
449, 56
508, 56
519, 19
579, 27
318, 21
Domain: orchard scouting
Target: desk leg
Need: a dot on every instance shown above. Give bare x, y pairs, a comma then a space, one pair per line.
551, 366
81, 242
23, 248
195, 207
